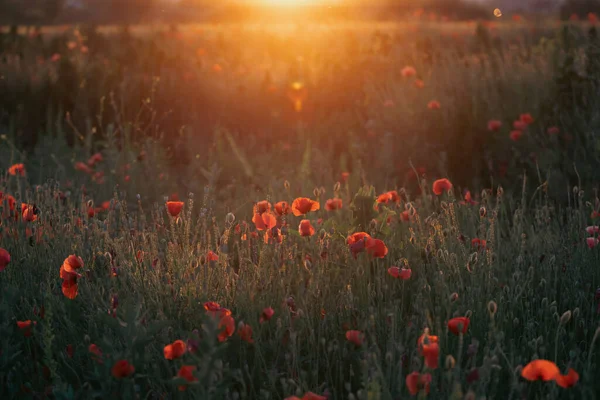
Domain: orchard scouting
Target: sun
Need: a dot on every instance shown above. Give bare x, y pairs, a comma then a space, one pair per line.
286, 3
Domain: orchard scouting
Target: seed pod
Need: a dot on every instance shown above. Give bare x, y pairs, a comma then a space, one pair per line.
492, 308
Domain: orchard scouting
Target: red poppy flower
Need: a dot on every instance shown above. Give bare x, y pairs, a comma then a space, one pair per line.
592, 18
434, 105
431, 353
333, 204
458, 325
515, 135
468, 198
305, 228
273, 235
519, 125
304, 205
408, 71
69, 288
83, 167
266, 315
282, 208
553, 130
405, 216
416, 382
527, 118
72, 263
175, 350
69, 350
122, 369
494, 125
262, 207
313, 396
227, 327
357, 237
4, 259
245, 332
17, 169
441, 185
212, 256
425, 339
478, 244
93, 160
376, 248
215, 310
96, 353
591, 242
569, 380
29, 212
264, 221
344, 176
186, 372
25, 327
540, 370
355, 337
174, 207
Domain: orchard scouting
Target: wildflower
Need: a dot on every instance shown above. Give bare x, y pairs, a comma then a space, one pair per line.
303, 205
305, 228
122, 369
313, 396
96, 353
227, 327
93, 160
29, 212
4, 259
215, 310
376, 248
519, 125
419, 83
175, 350
526, 118
515, 135
416, 382
25, 327
478, 244
212, 256
592, 230
273, 235
17, 169
494, 125
431, 353
174, 207
186, 372
266, 315
434, 105
70, 288
441, 185
83, 167
245, 332
553, 130
540, 370
355, 337
282, 208
262, 207
458, 325
401, 273
264, 221
72, 264
344, 176
408, 71
569, 380
591, 242
333, 204
592, 18
69, 350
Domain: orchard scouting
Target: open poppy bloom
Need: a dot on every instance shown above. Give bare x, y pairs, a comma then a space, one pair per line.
96, 353
72, 264
568, 380
313, 396
264, 221
478, 244
408, 71
425, 339
458, 325
357, 237
245, 332
25, 327
526, 118
93, 160
212, 256
355, 337
431, 353
174, 208
273, 235
519, 125
17, 169
333, 204
591, 242
376, 248
540, 370
215, 310
83, 167
494, 125
282, 208
401, 273
266, 315
434, 105
175, 350
186, 372
29, 212
305, 228
553, 130
304, 205
262, 207
69, 287
227, 327
441, 185
515, 135
4, 259
122, 369
416, 382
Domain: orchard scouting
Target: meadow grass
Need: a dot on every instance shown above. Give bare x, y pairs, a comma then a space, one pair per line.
517, 257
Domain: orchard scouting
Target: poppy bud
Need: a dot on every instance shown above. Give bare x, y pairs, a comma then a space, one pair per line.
515, 321
492, 307
565, 318
576, 312
500, 191
450, 362
230, 218
286, 185
482, 212
316, 192
336, 187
